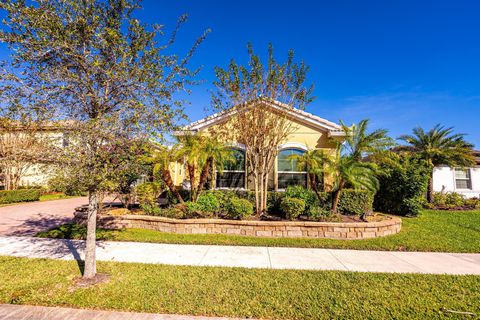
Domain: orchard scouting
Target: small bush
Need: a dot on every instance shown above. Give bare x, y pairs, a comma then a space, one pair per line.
240, 208
307, 195
151, 210
292, 207
148, 193
452, 200
319, 213
208, 203
355, 202
21, 195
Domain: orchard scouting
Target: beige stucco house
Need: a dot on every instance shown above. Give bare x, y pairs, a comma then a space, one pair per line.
308, 132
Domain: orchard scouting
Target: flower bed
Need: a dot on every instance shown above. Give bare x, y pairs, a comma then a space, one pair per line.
282, 229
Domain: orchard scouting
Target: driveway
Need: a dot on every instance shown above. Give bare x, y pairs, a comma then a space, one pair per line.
29, 218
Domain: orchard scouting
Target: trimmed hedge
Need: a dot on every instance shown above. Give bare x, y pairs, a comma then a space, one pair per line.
292, 207
355, 202
21, 195
240, 208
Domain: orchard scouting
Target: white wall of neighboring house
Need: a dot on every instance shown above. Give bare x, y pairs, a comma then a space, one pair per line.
444, 180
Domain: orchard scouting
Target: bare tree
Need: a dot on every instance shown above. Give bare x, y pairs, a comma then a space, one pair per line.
249, 95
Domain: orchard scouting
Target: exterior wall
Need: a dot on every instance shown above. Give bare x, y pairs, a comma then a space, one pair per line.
277, 229
444, 181
302, 137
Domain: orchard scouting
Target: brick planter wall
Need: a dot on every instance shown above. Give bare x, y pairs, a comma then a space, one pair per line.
291, 229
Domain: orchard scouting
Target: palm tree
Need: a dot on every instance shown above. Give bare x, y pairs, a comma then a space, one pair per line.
345, 170
359, 143
161, 158
440, 146
213, 152
312, 161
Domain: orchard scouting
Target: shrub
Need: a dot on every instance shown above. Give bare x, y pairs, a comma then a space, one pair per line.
208, 203
22, 195
240, 208
148, 193
151, 210
292, 207
319, 213
274, 201
307, 195
453, 200
403, 184
355, 202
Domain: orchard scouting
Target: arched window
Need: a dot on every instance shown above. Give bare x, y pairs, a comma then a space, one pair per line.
288, 172
233, 173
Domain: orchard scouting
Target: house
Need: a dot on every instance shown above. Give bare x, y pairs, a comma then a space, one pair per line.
308, 132
465, 181
17, 143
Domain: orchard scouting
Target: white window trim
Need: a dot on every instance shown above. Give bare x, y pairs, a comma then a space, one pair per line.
469, 179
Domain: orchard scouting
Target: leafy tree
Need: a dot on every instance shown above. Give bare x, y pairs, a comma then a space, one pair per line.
439, 146
93, 63
248, 93
360, 143
312, 161
161, 157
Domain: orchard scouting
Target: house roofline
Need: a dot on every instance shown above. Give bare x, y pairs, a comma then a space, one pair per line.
332, 128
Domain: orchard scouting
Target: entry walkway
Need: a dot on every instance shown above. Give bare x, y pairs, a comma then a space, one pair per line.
248, 257
16, 312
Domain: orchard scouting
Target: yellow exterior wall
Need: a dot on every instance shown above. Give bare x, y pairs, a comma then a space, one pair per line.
302, 134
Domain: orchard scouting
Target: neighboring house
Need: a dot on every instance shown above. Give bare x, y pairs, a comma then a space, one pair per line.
28, 173
309, 132
465, 181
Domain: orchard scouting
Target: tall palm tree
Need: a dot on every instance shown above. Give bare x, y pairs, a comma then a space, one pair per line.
359, 143
214, 152
313, 162
345, 170
440, 146
161, 158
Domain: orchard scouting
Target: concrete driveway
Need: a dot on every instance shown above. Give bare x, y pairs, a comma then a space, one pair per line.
29, 218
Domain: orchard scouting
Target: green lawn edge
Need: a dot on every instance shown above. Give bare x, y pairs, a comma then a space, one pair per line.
432, 231
239, 292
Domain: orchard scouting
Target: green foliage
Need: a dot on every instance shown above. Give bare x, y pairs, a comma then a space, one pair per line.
240, 208
148, 193
403, 184
21, 195
453, 200
274, 201
292, 207
300, 192
319, 213
355, 202
208, 203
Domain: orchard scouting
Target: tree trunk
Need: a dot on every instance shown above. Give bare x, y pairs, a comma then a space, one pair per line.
90, 269
167, 178
204, 174
430, 188
191, 173
336, 197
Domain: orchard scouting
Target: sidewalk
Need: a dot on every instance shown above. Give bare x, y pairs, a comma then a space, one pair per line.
248, 257
18, 312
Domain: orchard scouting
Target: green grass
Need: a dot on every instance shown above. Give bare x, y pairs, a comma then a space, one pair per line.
237, 292
445, 231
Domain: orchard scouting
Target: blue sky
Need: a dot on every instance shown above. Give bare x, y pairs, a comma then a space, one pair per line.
399, 63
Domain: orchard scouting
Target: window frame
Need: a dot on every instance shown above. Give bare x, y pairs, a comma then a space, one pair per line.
303, 173
468, 179
244, 171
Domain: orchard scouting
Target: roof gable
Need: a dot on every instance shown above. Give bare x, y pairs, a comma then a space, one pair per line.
294, 114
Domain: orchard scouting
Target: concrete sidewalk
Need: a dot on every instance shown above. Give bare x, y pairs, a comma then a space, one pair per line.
248, 257
18, 312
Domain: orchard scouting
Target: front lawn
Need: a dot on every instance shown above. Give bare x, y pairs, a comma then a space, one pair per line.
446, 231
237, 292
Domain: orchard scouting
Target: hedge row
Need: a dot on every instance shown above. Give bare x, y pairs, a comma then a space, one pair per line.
21, 195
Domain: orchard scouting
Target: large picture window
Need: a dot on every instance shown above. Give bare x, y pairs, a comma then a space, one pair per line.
233, 173
463, 179
288, 171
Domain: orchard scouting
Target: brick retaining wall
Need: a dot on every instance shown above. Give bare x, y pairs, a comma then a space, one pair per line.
280, 229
